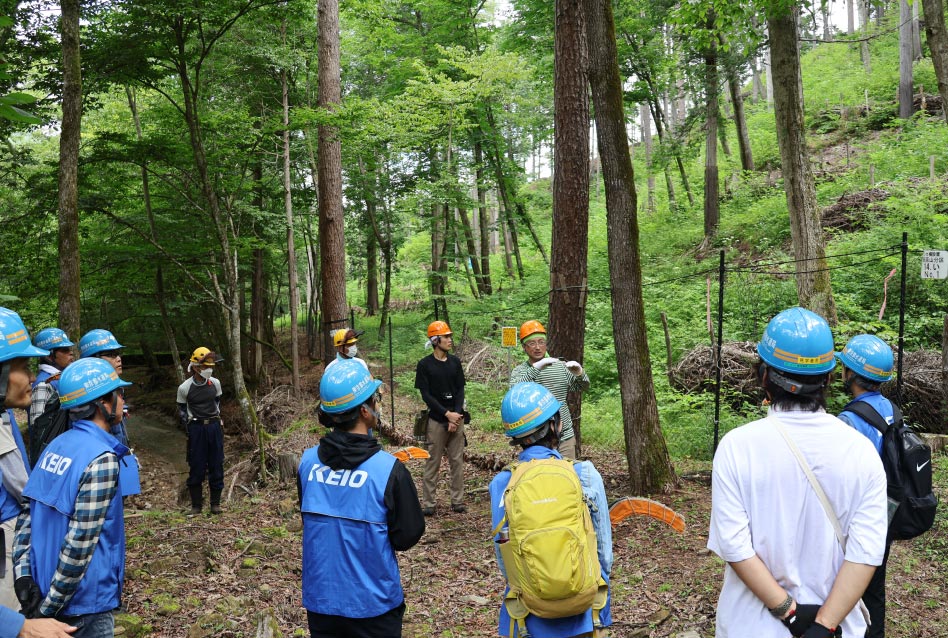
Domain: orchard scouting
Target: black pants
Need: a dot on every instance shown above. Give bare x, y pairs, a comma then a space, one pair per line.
206, 454
874, 597
388, 625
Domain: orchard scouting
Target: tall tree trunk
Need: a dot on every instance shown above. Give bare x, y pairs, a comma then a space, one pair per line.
166, 325
906, 88
712, 209
290, 234
827, 24
865, 26
69, 300
482, 216
757, 85
471, 257
504, 228
850, 17
567, 302
937, 37
740, 121
812, 278
371, 275
769, 75
332, 238
647, 142
916, 33
650, 469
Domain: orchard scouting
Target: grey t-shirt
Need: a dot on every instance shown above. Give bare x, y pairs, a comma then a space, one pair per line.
201, 398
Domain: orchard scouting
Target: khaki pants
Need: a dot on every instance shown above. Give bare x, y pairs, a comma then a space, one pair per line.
7, 595
441, 443
568, 448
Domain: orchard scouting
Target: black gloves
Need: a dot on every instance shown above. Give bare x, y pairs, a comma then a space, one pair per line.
29, 595
817, 630
801, 619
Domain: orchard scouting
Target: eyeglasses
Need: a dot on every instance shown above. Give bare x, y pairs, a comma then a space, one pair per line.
536, 342
110, 354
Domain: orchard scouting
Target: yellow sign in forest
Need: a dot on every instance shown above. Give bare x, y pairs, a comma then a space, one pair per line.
508, 336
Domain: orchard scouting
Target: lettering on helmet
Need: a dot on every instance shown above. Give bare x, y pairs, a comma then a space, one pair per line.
341, 478
55, 463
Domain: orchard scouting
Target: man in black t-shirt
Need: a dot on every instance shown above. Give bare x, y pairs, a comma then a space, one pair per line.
440, 379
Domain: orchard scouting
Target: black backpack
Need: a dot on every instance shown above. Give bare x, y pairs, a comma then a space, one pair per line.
47, 426
907, 460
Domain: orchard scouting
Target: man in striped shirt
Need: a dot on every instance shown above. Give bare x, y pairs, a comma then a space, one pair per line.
556, 376
69, 549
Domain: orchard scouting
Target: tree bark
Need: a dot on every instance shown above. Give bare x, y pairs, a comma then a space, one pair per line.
812, 278
850, 17
371, 275
290, 238
482, 216
937, 37
712, 214
332, 238
69, 289
865, 27
650, 469
567, 302
471, 256
916, 32
906, 88
740, 120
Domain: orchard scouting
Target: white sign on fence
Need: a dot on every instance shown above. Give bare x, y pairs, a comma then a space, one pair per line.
935, 264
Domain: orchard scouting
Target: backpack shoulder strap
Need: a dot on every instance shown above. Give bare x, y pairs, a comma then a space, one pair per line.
871, 416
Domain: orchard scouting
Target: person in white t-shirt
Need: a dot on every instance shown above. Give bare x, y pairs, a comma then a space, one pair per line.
785, 569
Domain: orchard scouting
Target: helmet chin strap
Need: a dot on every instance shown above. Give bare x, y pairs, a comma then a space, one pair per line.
791, 386
110, 416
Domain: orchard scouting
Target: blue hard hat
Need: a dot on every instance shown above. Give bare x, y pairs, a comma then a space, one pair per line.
86, 380
798, 340
96, 341
345, 386
526, 407
51, 339
15, 338
869, 357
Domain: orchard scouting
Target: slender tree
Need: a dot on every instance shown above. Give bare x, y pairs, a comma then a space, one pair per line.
293, 283
906, 58
69, 170
812, 278
650, 469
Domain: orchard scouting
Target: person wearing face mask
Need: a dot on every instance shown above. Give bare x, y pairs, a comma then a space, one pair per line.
69, 550
15, 387
345, 341
199, 409
354, 495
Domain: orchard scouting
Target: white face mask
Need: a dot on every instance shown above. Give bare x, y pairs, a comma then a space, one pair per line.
352, 351
206, 373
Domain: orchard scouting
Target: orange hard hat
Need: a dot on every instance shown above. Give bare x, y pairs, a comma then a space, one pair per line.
438, 329
531, 327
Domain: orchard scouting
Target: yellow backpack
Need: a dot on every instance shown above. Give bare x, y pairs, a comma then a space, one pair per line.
550, 555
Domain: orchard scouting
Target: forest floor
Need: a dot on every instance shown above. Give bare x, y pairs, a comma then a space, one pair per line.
238, 574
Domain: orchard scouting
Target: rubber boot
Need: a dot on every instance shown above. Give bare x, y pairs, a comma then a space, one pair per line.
215, 501
197, 498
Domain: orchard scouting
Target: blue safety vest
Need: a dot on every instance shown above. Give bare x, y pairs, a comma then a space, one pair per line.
52, 490
9, 505
349, 566
881, 405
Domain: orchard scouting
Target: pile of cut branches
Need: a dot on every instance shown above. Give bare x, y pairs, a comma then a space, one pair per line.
849, 211
922, 392
696, 372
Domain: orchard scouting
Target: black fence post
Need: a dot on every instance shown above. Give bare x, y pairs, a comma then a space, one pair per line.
391, 370
717, 386
352, 318
898, 379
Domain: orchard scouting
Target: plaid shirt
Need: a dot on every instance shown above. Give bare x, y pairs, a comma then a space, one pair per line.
43, 393
97, 488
